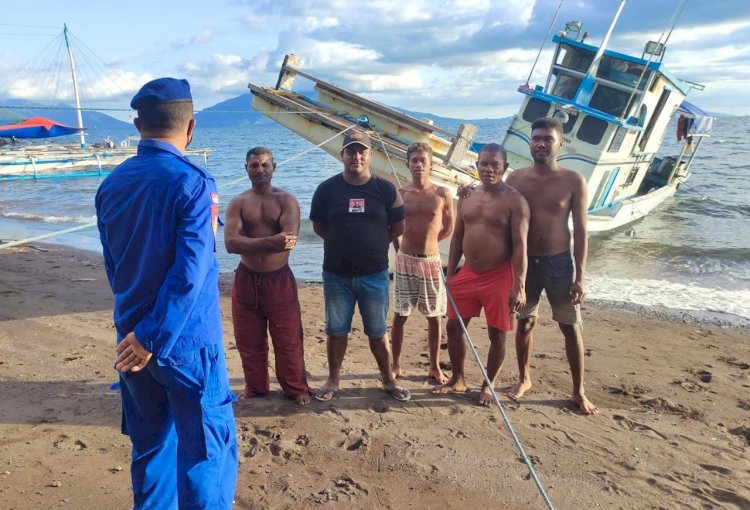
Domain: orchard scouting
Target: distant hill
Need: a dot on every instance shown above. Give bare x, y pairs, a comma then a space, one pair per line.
238, 112
720, 115
452, 124
235, 112
24, 109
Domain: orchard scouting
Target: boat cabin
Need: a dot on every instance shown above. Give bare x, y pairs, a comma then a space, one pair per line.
615, 110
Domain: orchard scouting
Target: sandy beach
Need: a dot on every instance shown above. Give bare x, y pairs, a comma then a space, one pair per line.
673, 432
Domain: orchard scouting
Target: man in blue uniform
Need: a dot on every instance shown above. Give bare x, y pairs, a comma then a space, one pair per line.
157, 215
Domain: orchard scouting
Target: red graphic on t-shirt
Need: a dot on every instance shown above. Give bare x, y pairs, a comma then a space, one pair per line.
356, 205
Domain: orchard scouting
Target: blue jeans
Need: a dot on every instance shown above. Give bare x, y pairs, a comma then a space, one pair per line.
370, 292
180, 421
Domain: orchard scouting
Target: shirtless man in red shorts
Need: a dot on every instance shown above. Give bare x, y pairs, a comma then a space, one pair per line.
262, 225
491, 228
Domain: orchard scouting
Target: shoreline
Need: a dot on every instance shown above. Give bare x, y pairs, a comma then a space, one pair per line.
672, 431
694, 317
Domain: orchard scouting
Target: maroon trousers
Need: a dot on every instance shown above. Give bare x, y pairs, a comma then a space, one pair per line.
263, 303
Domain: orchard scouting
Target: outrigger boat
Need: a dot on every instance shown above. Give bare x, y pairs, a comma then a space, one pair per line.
55, 160
615, 110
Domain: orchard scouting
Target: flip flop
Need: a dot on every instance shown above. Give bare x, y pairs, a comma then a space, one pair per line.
399, 393
325, 393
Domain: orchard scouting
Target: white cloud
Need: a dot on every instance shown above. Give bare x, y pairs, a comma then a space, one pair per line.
116, 83
201, 39
256, 21
449, 56
403, 81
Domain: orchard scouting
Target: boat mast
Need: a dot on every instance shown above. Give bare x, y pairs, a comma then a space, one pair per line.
583, 96
75, 85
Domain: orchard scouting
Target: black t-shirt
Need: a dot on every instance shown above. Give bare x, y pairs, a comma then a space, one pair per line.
357, 224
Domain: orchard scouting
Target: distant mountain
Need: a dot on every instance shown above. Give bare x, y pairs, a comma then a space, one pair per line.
238, 112
452, 124
62, 113
235, 112
720, 115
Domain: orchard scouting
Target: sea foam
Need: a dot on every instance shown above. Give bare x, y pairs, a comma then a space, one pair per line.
661, 293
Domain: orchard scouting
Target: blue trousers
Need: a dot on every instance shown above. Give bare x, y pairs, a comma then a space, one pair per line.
179, 418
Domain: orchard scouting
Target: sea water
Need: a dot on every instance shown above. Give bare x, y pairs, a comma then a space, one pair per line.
692, 254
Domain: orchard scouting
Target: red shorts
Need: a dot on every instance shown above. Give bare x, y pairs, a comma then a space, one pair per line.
490, 290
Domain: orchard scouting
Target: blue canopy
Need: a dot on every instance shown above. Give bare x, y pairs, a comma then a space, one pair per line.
702, 121
37, 127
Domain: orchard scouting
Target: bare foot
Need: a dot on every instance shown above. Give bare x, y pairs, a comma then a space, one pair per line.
396, 371
437, 375
248, 393
303, 399
485, 397
584, 404
518, 390
452, 386
325, 393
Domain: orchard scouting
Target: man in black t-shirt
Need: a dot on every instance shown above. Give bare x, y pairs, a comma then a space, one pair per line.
358, 215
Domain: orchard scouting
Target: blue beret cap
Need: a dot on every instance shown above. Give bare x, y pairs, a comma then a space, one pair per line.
163, 90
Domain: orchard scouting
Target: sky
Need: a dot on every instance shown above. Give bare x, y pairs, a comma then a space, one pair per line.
455, 58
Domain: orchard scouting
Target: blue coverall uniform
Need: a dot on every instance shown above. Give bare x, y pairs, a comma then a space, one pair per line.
157, 214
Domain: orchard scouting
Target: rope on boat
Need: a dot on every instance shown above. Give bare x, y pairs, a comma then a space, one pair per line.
388, 157
19, 242
243, 178
130, 110
551, 24
490, 386
670, 25
706, 197
11, 244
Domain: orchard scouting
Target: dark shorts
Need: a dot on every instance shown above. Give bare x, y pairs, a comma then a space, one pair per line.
554, 274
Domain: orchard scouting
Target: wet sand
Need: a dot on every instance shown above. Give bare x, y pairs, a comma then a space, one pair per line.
673, 432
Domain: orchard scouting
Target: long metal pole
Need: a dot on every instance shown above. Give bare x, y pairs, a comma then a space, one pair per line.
75, 86
587, 85
552, 23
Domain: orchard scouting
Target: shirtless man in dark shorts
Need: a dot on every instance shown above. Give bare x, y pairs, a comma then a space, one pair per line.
490, 232
417, 282
262, 225
554, 194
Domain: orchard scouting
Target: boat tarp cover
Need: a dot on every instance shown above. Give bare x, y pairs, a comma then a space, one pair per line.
702, 123
37, 127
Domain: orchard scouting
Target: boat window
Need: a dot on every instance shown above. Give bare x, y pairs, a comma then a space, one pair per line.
568, 126
657, 82
642, 114
565, 84
609, 100
654, 117
577, 59
631, 176
622, 72
617, 140
535, 109
591, 130
597, 199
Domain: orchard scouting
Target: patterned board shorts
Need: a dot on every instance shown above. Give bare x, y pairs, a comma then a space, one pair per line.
418, 284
